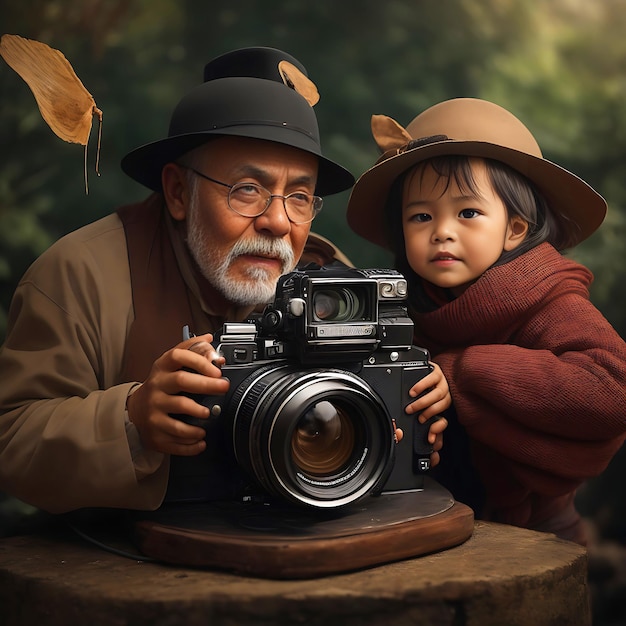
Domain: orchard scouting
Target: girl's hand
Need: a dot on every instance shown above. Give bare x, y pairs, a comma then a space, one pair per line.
433, 398
435, 438
432, 393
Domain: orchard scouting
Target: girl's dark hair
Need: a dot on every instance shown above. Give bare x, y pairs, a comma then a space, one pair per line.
519, 196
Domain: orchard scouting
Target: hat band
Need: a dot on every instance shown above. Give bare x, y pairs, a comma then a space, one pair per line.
297, 129
423, 141
412, 145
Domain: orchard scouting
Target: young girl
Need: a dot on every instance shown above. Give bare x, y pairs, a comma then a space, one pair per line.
477, 220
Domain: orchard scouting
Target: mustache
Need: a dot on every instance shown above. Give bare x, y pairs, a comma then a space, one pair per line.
265, 246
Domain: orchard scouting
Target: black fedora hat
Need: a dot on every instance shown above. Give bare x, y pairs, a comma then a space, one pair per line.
244, 95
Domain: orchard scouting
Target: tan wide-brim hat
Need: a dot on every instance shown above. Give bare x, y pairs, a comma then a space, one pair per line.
477, 128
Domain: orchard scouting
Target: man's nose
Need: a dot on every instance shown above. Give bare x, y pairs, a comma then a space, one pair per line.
274, 220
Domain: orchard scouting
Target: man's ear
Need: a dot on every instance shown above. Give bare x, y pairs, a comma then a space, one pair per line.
175, 190
515, 233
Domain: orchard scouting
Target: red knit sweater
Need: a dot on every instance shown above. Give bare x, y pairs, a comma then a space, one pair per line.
538, 381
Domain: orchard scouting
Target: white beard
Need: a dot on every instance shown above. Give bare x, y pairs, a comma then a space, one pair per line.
260, 285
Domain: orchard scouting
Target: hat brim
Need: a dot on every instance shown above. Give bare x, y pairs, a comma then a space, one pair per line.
144, 164
238, 107
576, 204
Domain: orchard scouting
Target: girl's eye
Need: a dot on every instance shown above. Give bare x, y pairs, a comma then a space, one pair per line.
469, 213
420, 217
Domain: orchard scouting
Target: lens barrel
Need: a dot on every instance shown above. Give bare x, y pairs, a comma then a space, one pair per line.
338, 305
320, 438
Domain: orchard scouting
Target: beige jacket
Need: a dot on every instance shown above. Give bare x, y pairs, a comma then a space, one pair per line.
65, 440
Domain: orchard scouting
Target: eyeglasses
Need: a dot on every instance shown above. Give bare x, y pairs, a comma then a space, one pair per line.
252, 200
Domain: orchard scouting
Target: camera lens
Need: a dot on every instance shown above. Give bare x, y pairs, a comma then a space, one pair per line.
337, 305
323, 440
316, 437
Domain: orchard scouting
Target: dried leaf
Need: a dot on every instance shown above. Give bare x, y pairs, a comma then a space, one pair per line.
64, 103
388, 134
300, 83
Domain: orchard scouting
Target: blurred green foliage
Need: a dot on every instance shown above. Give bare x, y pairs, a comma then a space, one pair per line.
556, 64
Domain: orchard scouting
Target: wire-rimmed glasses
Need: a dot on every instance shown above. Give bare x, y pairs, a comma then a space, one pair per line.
251, 200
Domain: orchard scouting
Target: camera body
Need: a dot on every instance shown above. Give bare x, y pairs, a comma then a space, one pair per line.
318, 383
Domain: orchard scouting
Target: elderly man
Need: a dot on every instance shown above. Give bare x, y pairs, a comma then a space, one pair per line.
93, 366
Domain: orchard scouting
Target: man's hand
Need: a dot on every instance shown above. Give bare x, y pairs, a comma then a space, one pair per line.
150, 406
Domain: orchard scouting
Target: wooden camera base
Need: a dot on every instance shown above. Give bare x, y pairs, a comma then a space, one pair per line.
284, 542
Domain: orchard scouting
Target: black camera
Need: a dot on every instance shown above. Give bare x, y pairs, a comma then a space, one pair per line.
318, 383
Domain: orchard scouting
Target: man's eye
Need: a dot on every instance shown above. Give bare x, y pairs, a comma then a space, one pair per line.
246, 192
248, 189
300, 198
